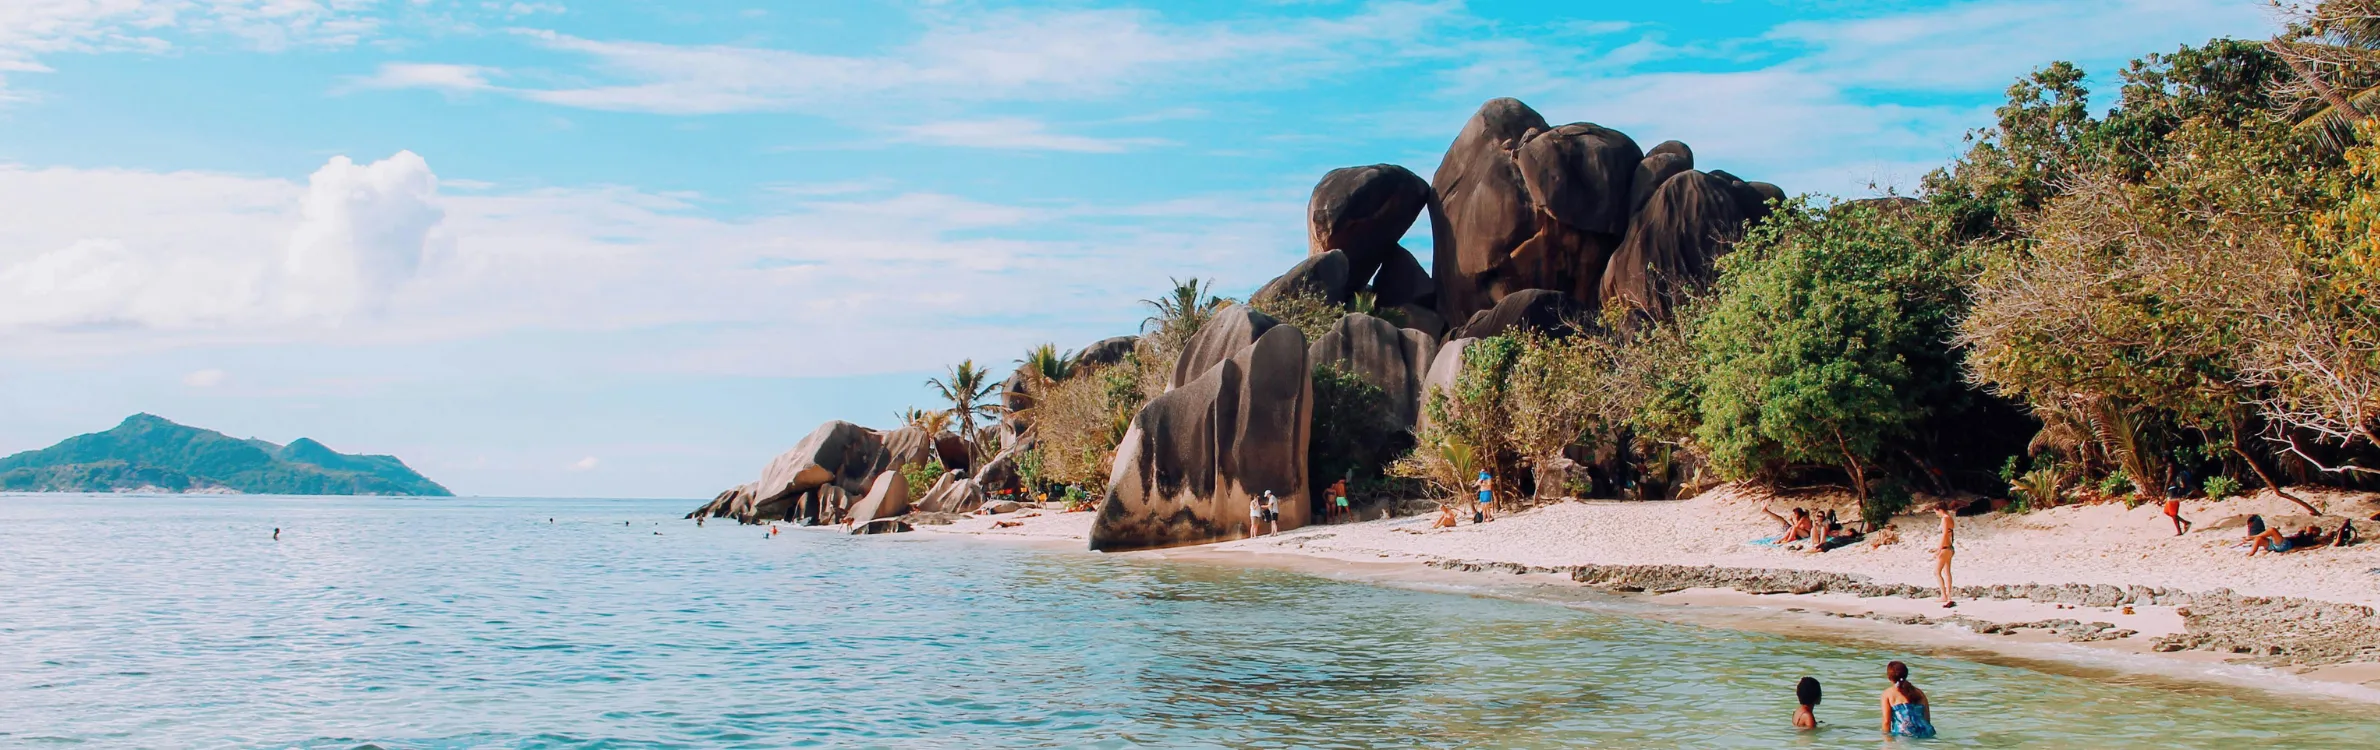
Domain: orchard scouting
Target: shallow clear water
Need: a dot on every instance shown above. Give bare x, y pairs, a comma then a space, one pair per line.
178, 622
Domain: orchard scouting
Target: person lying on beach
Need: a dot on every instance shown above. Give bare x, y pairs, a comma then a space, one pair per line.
2273, 541
1808, 693
1907, 712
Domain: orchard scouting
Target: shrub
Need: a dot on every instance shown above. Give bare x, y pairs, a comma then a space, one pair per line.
1301, 308
2219, 487
1356, 431
2115, 484
2036, 490
1887, 498
921, 477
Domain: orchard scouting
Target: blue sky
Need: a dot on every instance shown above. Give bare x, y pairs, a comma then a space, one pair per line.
636, 248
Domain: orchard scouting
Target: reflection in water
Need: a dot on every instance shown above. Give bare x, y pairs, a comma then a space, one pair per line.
449, 623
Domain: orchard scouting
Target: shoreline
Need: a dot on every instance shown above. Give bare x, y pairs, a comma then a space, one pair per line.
2269, 639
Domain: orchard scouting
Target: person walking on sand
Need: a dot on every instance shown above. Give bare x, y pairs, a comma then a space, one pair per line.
1907, 711
1808, 693
2173, 510
1338, 496
1943, 551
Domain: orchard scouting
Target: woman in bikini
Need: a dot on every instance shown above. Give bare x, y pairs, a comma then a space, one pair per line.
1943, 552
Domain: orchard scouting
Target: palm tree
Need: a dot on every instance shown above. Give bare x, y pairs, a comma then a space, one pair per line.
934, 423
1182, 311
967, 387
1043, 367
2334, 48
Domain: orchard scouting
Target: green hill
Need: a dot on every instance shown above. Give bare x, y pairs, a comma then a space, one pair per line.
147, 451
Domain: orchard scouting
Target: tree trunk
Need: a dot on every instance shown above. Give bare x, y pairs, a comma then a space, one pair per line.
2346, 108
1859, 476
2258, 466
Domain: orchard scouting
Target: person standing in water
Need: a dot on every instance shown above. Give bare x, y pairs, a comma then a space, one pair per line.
1943, 551
1907, 712
1808, 693
276, 533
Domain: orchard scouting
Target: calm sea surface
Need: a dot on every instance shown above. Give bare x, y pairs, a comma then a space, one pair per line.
403, 623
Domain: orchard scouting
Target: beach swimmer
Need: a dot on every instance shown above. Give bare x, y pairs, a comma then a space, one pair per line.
1907, 712
276, 533
1943, 551
1808, 693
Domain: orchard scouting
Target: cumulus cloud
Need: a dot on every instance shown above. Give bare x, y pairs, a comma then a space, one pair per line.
207, 378
116, 249
361, 233
585, 464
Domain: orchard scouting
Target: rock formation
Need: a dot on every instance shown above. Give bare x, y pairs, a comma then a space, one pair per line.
1577, 209
887, 497
1442, 373
1104, 352
1532, 309
1364, 212
1194, 456
838, 453
1325, 274
1231, 329
1395, 359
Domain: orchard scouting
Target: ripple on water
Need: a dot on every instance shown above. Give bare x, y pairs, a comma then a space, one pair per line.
401, 623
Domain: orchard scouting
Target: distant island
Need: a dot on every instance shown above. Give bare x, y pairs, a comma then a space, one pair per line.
148, 453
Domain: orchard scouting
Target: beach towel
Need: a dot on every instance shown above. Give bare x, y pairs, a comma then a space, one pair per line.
1766, 541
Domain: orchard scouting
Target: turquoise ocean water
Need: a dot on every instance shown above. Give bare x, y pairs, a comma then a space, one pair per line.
458, 623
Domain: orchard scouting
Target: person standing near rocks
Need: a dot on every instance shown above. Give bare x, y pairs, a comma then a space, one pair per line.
1487, 496
1272, 513
1943, 551
1256, 514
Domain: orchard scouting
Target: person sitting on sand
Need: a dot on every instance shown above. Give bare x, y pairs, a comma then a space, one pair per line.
1808, 692
1907, 712
1796, 528
1445, 516
1836, 536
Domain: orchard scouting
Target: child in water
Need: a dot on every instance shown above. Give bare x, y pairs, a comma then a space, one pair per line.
1809, 694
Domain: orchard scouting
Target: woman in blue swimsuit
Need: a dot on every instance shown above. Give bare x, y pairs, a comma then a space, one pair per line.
1907, 713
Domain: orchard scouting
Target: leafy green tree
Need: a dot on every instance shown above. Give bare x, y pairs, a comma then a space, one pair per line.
1355, 430
1181, 312
1825, 341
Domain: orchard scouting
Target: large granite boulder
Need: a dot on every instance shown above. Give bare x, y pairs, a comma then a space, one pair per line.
887, 497
1424, 319
1364, 211
1485, 210
951, 495
1443, 370
1541, 310
1677, 148
951, 451
999, 472
1674, 242
837, 453
1579, 175
1395, 359
1194, 456
1326, 274
1402, 281
909, 446
1651, 174
1231, 329
1104, 352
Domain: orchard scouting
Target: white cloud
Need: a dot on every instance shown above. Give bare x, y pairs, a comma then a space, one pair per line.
207, 378
971, 55
832, 282
110, 249
31, 29
1017, 133
585, 464
361, 232
451, 78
